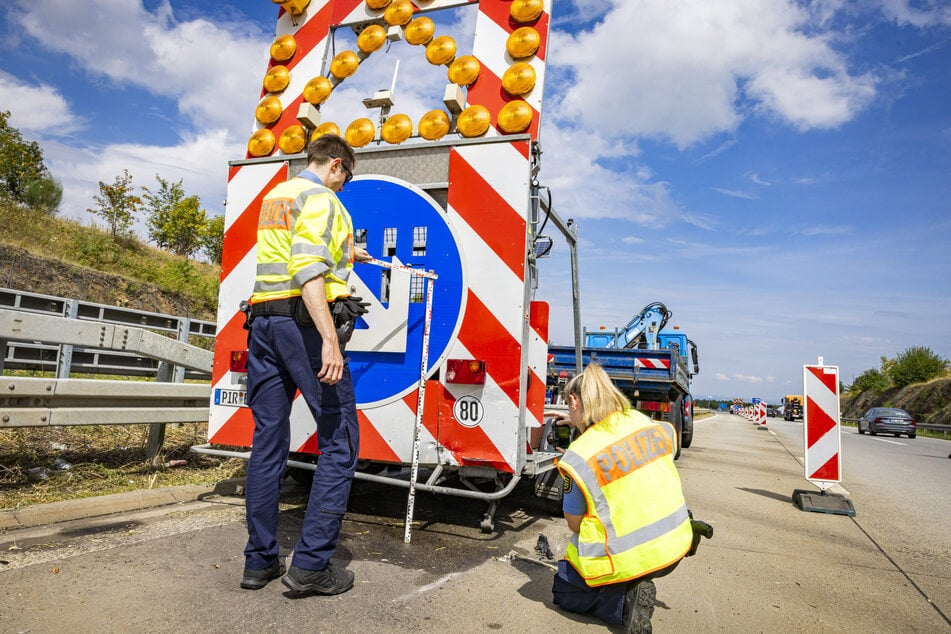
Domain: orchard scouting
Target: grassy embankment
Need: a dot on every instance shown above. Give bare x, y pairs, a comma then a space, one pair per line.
69, 259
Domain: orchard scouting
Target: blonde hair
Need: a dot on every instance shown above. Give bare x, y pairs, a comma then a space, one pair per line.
598, 395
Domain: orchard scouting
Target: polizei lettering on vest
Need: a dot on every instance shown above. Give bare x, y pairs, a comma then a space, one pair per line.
630, 453
275, 214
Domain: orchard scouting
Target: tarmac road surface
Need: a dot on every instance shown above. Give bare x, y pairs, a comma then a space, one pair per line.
770, 567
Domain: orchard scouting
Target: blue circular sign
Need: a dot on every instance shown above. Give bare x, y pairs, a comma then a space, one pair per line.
404, 225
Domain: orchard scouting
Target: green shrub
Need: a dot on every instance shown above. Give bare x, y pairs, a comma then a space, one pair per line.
872, 379
917, 365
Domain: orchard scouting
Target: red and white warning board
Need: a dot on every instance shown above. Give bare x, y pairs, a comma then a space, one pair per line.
822, 438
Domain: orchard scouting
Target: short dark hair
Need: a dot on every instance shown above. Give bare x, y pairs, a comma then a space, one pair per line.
328, 146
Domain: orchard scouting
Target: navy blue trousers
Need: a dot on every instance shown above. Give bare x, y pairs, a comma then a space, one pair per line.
284, 357
570, 591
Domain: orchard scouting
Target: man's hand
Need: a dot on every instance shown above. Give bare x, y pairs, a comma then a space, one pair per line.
331, 369
361, 255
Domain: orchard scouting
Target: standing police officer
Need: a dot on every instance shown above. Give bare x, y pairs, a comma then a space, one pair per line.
623, 503
305, 253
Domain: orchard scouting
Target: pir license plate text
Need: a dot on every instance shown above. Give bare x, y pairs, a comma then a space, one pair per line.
234, 398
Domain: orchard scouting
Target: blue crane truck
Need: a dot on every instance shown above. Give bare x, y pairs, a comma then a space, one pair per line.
651, 364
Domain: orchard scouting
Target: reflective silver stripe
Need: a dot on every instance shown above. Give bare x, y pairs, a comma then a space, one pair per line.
575, 540
308, 273
306, 248
342, 273
636, 538
261, 286
671, 433
272, 268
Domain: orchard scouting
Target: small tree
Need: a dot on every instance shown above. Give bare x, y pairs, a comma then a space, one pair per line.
175, 222
917, 365
116, 203
44, 194
213, 238
21, 162
872, 379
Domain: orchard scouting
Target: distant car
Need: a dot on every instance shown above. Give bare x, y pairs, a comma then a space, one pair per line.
887, 420
771, 411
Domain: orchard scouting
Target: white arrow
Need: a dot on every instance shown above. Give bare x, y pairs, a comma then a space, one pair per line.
387, 326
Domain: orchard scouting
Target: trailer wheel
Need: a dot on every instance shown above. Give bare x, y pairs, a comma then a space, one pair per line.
676, 418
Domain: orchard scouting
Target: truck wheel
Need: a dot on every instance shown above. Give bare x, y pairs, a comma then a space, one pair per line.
676, 418
686, 437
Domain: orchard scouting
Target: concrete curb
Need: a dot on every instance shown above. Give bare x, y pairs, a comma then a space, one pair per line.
54, 512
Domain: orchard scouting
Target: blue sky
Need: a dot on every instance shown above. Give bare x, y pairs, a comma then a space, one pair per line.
777, 173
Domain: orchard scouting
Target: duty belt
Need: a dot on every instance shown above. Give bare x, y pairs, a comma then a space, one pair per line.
283, 307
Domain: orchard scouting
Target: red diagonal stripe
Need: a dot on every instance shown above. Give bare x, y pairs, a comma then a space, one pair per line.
828, 379
242, 234
238, 431
372, 444
486, 338
538, 319
489, 215
306, 38
828, 471
343, 8
469, 445
820, 423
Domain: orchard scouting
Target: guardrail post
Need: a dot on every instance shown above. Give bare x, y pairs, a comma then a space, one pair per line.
156, 440
64, 356
3, 353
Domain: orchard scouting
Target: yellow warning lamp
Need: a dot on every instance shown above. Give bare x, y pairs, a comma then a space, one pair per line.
434, 125
317, 90
371, 38
515, 116
441, 50
283, 47
268, 111
523, 42
292, 140
398, 13
327, 127
397, 129
277, 78
360, 132
519, 78
376, 5
294, 7
261, 143
464, 71
523, 11
419, 31
344, 64
474, 121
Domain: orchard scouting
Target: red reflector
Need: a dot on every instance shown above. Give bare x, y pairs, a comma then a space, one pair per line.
469, 371
239, 361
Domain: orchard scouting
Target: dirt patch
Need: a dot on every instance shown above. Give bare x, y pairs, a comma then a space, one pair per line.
929, 403
20, 270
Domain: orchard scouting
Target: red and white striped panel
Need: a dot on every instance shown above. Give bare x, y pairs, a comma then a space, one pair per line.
488, 210
761, 414
652, 364
821, 424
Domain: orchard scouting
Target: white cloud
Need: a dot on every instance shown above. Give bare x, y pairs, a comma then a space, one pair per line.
824, 230
197, 160
38, 109
734, 193
212, 72
692, 69
931, 12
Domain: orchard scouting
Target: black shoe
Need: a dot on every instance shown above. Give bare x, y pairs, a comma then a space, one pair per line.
257, 579
330, 580
639, 607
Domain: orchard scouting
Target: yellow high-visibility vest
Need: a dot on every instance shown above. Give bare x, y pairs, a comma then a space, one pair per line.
636, 521
303, 231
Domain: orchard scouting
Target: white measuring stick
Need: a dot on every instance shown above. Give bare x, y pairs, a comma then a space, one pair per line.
423, 367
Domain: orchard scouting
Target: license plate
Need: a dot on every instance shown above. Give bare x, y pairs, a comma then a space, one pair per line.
232, 398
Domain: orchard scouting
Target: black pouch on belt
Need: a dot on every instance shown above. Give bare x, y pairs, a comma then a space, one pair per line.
301, 315
345, 311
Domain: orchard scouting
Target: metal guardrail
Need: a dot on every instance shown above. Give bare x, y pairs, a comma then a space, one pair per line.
66, 358
39, 331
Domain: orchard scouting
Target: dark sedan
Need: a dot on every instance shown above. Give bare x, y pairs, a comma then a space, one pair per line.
887, 420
